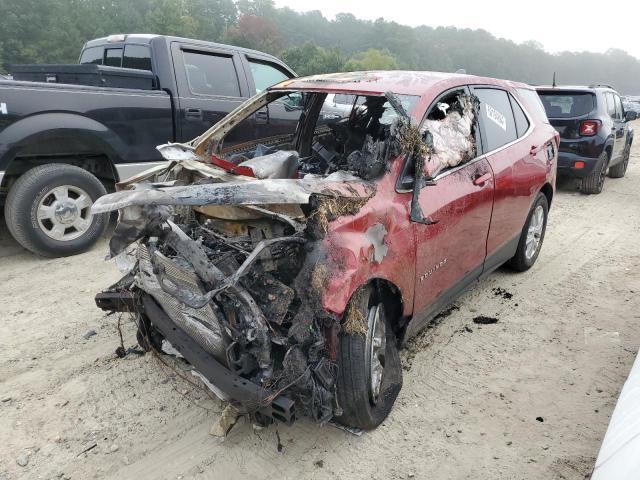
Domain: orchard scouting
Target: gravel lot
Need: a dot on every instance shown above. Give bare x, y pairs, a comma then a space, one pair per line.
528, 397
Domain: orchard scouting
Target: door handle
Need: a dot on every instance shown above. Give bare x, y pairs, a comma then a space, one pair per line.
482, 179
193, 113
534, 150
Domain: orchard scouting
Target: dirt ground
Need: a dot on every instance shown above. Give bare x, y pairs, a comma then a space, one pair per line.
528, 397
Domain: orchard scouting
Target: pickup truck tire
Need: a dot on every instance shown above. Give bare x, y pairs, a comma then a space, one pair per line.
369, 370
619, 170
532, 235
47, 210
594, 182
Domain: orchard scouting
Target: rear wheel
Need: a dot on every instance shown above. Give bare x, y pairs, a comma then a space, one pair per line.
48, 210
619, 170
594, 182
532, 235
369, 370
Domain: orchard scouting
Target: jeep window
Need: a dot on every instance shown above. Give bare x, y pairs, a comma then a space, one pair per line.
522, 123
567, 104
137, 56
619, 109
496, 118
113, 57
92, 55
210, 74
611, 104
265, 75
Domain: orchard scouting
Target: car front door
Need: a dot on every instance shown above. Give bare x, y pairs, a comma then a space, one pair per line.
211, 83
451, 244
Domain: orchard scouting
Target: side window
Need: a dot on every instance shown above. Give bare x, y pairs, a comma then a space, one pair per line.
92, 55
210, 74
113, 57
265, 75
619, 109
522, 123
137, 56
611, 105
496, 118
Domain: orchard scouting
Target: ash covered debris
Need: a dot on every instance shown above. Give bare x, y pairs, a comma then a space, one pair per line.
233, 244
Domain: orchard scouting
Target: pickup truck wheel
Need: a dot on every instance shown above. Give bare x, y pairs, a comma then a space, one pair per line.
593, 183
619, 170
532, 235
369, 370
48, 210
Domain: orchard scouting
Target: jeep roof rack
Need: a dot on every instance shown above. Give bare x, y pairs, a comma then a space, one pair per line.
595, 85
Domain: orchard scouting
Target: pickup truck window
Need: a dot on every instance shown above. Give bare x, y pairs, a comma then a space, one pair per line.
92, 55
113, 57
265, 75
137, 56
210, 74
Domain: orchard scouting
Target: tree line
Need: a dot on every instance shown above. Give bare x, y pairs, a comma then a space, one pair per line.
53, 31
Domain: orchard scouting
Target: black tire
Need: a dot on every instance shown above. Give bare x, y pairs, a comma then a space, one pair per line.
359, 409
36, 186
619, 170
594, 182
523, 260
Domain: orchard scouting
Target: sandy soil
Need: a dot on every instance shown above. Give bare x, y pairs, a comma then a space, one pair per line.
526, 398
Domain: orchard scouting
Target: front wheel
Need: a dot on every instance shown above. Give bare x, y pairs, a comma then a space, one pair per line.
369, 370
532, 235
48, 210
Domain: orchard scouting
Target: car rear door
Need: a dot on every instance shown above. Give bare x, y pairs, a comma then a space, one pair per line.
450, 251
620, 127
211, 83
518, 161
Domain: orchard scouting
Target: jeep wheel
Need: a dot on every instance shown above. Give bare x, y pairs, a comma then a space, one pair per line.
48, 210
532, 235
593, 183
369, 370
619, 170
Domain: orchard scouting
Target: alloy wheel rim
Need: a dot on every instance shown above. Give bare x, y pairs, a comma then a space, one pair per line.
534, 232
64, 213
376, 347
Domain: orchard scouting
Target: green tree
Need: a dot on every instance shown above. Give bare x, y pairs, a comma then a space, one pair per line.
310, 59
255, 32
372, 59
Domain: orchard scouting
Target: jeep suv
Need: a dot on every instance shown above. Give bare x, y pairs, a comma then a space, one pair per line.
289, 269
594, 135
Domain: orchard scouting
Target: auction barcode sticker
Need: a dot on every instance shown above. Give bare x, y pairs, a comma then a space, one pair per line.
496, 117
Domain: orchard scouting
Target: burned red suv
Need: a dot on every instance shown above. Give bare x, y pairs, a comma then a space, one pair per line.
289, 269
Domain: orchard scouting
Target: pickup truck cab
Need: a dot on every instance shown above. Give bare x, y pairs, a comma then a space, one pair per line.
63, 145
594, 135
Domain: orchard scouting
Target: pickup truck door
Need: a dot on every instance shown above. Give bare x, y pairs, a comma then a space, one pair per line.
450, 251
211, 83
281, 117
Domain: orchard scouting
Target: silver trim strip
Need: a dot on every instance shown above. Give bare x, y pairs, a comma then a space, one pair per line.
1, 176
127, 170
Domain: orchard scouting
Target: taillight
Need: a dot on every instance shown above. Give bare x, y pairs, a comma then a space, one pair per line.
589, 128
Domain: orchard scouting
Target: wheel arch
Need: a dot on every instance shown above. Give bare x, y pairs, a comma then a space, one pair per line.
547, 190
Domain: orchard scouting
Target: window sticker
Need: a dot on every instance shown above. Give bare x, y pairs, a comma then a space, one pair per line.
496, 117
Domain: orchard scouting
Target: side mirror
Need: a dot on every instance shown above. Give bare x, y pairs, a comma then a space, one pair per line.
630, 116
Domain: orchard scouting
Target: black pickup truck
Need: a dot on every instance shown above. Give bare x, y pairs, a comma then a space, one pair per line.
69, 136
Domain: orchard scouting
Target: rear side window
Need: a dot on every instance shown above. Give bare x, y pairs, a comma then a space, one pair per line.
567, 104
113, 57
137, 56
210, 74
522, 123
533, 103
619, 109
92, 55
265, 75
496, 118
611, 104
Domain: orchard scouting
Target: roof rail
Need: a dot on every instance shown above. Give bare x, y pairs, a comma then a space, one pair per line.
601, 85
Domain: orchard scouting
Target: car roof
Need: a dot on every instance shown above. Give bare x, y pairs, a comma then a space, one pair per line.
147, 38
401, 82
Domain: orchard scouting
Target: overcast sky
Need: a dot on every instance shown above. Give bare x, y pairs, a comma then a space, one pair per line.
558, 25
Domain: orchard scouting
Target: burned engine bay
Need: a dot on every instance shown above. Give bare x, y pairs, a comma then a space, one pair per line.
228, 246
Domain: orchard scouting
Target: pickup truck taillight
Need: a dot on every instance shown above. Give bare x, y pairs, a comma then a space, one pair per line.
589, 128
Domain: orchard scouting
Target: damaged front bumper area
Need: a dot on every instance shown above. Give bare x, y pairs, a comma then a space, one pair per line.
230, 271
